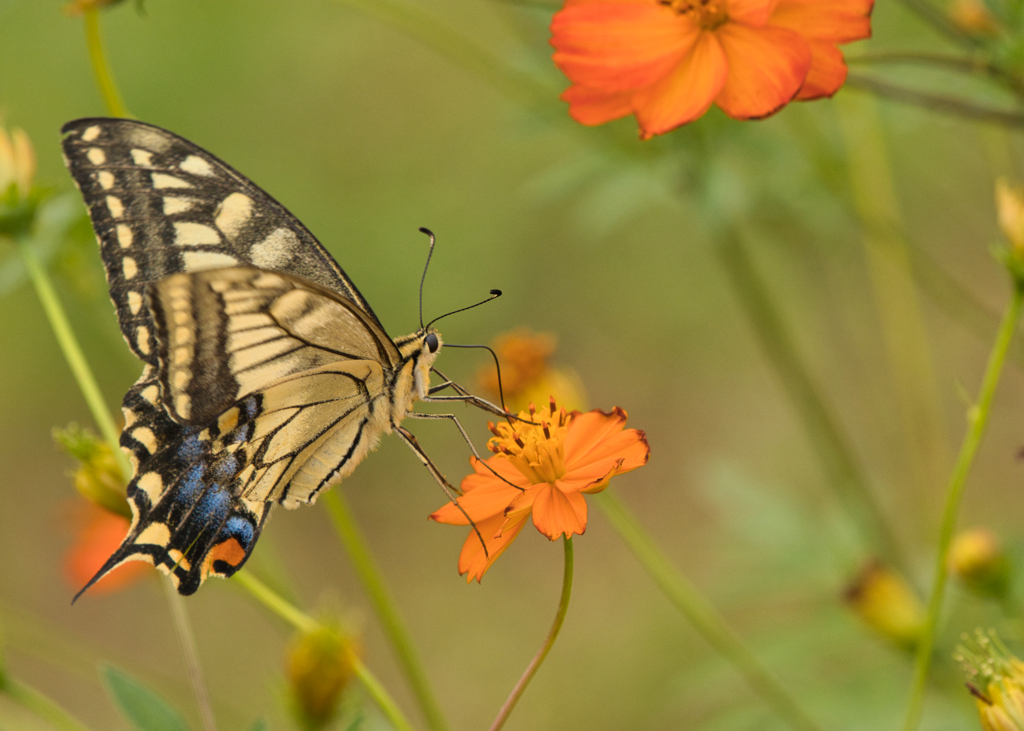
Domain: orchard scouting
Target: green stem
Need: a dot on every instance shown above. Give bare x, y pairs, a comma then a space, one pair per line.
977, 421
827, 438
100, 67
304, 623
39, 704
384, 606
549, 641
701, 614
187, 640
72, 352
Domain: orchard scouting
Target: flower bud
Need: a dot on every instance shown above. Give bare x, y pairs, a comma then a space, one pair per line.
98, 478
887, 604
995, 677
17, 176
1010, 210
979, 561
526, 375
319, 667
973, 17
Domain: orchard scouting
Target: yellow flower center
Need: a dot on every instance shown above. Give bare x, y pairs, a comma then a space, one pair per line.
709, 14
536, 449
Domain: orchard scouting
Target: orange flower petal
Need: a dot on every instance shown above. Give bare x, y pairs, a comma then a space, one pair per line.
484, 496
839, 21
472, 561
629, 445
587, 431
751, 12
482, 473
617, 47
827, 74
767, 66
556, 512
686, 93
592, 106
99, 537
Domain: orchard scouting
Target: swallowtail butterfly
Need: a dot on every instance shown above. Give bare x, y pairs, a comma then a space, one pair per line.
267, 375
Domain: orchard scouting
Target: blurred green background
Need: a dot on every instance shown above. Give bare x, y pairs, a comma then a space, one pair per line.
366, 133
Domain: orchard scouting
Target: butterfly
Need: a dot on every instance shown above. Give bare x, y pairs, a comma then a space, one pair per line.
267, 375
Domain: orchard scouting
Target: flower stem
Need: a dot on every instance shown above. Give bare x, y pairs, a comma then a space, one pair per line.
105, 422
549, 641
701, 614
72, 351
953, 106
384, 606
28, 697
977, 421
100, 67
304, 623
827, 438
187, 641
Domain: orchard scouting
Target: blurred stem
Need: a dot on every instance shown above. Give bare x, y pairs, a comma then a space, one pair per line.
549, 641
105, 421
384, 605
28, 697
100, 67
304, 623
701, 614
977, 421
72, 352
953, 106
187, 641
837, 457
965, 64
938, 20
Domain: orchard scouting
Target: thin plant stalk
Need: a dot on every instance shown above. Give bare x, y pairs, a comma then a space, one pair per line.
41, 705
844, 472
305, 623
105, 422
101, 67
384, 606
549, 641
977, 422
179, 615
701, 614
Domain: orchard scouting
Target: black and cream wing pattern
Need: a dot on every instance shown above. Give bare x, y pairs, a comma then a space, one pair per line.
266, 374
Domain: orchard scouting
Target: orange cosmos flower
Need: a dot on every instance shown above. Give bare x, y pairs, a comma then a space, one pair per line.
668, 61
552, 463
99, 535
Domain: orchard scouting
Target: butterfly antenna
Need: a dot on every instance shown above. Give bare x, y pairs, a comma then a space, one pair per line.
423, 279
495, 294
497, 366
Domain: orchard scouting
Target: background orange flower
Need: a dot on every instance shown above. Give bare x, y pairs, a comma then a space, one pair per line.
668, 61
553, 463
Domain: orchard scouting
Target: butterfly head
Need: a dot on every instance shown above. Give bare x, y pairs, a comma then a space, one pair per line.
419, 351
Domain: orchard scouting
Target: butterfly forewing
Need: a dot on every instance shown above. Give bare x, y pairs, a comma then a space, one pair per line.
267, 374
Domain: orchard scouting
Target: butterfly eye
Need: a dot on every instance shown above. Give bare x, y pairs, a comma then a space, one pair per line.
432, 343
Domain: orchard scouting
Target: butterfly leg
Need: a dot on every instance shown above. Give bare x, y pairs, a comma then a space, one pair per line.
450, 491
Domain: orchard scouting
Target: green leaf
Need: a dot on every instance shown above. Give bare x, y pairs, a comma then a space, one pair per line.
259, 725
143, 708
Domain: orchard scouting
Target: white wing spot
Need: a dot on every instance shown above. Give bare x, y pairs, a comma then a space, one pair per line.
233, 212
96, 156
150, 139
152, 484
116, 206
106, 179
183, 405
275, 250
144, 436
163, 180
196, 165
181, 379
91, 133
124, 236
182, 355
142, 339
150, 394
174, 205
134, 302
188, 233
155, 534
129, 267
142, 157
198, 260
182, 334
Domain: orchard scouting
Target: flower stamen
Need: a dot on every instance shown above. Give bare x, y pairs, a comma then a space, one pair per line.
709, 14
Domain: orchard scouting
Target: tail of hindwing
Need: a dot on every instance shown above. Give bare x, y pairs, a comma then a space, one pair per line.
189, 518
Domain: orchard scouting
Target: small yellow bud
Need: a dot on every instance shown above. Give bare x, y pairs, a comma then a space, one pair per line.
98, 478
995, 677
887, 604
319, 668
17, 176
978, 560
78, 7
1010, 209
974, 17
526, 375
